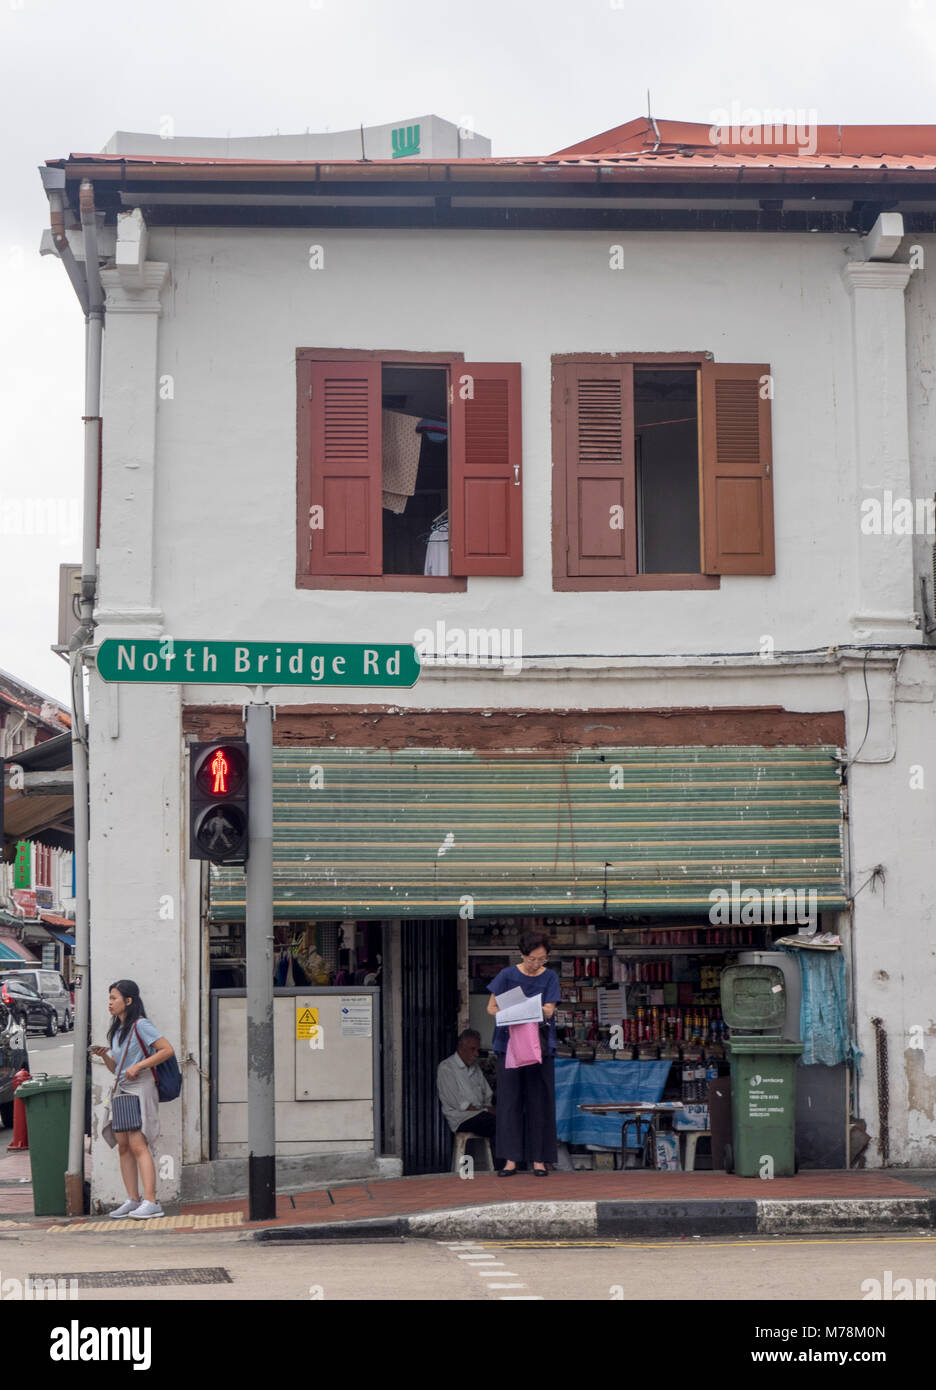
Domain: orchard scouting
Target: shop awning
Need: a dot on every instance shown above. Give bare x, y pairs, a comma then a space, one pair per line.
12, 950
618, 832
56, 927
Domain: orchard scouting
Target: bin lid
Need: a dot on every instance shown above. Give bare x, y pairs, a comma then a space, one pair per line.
778, 1046
753, 996
39, 1084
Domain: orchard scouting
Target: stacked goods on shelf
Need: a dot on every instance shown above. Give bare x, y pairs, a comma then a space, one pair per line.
692, 936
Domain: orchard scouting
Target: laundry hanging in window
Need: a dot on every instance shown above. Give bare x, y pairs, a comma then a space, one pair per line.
436, 430
437, 546
401, 447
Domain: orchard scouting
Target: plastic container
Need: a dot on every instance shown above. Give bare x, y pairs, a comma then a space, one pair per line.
48, 1105
763, 1106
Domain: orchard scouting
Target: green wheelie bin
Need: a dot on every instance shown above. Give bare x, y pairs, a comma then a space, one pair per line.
763, 1072
48, 1105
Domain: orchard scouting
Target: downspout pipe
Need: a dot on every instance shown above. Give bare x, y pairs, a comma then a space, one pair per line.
89, 291
84, 636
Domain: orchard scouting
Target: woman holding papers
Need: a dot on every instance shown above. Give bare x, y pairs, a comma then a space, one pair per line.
525, 1051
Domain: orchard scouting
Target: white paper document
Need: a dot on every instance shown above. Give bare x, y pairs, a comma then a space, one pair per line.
516, 1007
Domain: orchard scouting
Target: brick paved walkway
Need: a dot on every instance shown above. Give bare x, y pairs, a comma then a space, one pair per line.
15, 1194
404, 1196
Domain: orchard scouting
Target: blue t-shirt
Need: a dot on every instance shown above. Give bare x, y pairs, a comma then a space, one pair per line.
546, 984
147, 1031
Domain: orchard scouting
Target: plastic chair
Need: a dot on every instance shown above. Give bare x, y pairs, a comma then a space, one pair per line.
692, 1137
462, 1140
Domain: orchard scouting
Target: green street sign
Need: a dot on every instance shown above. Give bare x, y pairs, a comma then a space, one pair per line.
169, 660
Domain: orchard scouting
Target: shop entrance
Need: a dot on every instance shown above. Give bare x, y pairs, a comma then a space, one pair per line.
429, 1019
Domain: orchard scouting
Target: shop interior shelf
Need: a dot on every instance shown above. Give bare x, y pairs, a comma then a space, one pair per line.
683, 949
555, 951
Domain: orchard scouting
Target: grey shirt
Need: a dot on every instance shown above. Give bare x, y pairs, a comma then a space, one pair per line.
463, 1090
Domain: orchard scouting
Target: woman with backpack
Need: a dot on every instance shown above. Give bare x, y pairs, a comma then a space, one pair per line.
132, 1122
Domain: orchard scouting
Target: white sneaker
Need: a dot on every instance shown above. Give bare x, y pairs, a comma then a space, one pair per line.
125, 1209
146, 1210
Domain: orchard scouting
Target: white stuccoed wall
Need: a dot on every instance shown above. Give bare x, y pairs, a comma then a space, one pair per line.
217, 460
240, 302
136, 892
895, 944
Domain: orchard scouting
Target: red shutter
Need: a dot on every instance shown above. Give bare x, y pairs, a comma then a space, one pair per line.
737, 483
339, 440
597, 402
486, 499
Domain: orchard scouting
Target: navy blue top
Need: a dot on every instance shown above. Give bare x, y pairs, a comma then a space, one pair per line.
546, 984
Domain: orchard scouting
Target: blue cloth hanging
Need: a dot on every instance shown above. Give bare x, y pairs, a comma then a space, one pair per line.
824, 1009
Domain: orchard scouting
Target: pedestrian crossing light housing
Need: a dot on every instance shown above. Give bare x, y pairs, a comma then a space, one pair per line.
218, 808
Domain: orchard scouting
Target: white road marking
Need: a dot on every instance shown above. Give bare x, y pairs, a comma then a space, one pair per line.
489, 1267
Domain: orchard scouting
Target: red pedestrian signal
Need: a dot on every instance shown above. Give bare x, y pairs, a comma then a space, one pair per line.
218, 802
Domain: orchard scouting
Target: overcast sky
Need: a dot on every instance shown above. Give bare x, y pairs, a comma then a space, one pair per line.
533, 77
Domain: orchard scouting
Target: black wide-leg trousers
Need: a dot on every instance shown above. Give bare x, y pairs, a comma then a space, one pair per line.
526, 1112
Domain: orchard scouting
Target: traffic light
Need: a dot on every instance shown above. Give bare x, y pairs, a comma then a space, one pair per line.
218, 806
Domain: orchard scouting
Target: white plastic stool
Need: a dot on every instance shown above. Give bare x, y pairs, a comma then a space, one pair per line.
462, 1140
692, 1137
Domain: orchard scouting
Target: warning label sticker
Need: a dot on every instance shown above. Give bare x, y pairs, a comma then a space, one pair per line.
306, 1022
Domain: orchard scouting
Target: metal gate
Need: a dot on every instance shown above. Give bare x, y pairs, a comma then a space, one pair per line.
429, 959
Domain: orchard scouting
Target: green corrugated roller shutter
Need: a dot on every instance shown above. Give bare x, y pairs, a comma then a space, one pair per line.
647, 831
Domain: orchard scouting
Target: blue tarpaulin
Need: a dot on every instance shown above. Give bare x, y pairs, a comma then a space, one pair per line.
584, 1083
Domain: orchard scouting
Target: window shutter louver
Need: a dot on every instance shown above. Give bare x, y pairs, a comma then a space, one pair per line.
340, 433
598, 404
737, 482
486, 498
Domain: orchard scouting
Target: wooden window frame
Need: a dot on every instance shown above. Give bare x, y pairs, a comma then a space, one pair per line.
388, 583
562, 580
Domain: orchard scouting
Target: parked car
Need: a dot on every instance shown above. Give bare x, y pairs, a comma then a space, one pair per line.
50, 984
28, 1007
13, 1058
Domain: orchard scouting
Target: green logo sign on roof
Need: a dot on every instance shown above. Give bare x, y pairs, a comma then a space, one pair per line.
405, 141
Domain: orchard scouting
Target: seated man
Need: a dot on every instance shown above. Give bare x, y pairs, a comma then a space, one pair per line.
463, 1090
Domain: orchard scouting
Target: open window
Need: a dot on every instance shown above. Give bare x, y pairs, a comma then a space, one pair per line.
409, 470
666, 470
414, 466
661, 472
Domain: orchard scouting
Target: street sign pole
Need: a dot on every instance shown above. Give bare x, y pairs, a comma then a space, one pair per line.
261, 1114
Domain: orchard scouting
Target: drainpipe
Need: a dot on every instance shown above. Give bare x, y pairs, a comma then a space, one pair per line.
91, 298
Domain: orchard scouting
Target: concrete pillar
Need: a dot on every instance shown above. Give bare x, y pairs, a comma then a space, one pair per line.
885, 610
127, 578
137, 867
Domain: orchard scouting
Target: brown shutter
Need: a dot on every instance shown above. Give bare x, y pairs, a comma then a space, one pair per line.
486, 500
737, 483
597, 403
339, 444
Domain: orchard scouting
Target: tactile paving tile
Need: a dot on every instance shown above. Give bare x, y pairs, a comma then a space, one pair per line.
213, 1221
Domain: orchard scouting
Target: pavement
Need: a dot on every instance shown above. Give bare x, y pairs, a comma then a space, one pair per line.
231, 1266
633, 1202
